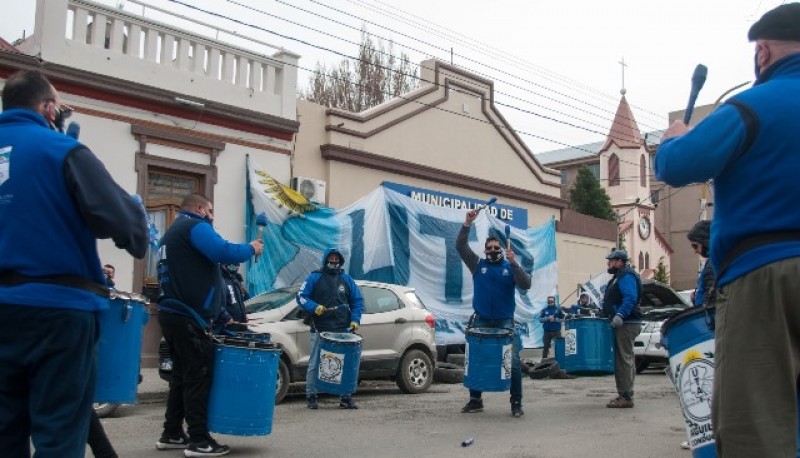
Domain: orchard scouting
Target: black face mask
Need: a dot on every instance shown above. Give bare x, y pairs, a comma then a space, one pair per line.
613, 270
551, 304
332, 267
494, 256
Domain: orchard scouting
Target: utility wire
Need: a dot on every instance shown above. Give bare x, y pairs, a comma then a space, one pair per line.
497, 54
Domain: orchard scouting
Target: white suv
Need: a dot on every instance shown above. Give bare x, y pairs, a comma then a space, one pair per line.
659, 302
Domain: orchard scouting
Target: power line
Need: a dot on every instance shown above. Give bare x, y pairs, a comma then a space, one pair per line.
495, 53
513, 107
464, 57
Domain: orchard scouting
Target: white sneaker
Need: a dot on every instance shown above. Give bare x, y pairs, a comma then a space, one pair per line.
685, 445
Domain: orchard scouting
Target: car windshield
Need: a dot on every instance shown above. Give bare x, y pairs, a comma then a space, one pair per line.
272, 299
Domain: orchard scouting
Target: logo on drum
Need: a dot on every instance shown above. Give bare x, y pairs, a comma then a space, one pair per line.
330, 366
571, 342
696, 380
506, 362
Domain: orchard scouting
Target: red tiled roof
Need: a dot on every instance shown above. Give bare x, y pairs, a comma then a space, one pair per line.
6, 46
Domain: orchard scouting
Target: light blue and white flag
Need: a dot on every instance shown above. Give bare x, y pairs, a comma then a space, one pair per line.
388, 237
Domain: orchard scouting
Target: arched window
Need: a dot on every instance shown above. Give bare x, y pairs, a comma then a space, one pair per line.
642, 171
613, 170
647, 260
641, 260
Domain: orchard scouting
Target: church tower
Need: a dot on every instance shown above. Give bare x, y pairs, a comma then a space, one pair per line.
625, 175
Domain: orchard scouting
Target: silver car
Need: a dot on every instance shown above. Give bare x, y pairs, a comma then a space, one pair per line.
398, 335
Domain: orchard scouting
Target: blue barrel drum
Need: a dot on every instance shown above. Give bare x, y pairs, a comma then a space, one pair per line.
689, 338
558, 343
119, 348
589, 346
487, 362
242, 399
339, 361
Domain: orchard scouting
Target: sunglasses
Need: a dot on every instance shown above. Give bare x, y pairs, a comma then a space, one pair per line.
493, 248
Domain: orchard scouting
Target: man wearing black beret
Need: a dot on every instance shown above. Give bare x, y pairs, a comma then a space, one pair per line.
751, 149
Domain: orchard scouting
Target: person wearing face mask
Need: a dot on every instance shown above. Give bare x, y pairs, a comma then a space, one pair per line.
698, 236
551, 318
333, 303
583, 306
494, 281
56, 200
192, 299
748, 147
621, 304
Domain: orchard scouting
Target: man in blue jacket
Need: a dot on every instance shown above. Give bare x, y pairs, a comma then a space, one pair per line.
749, 148
621, 304
334, 303
698, 235
192, 298
56, 200
494, 283
551, 318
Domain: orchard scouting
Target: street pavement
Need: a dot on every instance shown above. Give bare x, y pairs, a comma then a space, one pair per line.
563, 418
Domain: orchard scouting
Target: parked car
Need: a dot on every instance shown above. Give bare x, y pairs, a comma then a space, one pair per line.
398, 336
659, 302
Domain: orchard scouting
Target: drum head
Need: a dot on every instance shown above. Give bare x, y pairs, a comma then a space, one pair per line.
688, 314
341, 337
490, 332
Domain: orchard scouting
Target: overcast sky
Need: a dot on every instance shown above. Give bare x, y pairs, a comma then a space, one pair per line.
553, 62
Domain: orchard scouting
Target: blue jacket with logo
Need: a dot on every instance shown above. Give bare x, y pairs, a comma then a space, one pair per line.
749, 147
493, 282
56, 199
557, 314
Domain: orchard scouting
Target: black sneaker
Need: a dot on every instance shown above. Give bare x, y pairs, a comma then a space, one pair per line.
168, 442
208, 447
516, 410
474, 405
347, 403
311, 402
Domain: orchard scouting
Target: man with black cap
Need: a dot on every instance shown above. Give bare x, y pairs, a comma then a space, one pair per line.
621, 304
749, 148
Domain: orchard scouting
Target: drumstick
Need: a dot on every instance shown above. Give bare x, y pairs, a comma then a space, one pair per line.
486, 205
508, 237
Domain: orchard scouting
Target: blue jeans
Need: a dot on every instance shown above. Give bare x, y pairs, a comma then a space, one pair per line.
313, 366
47, 380
516, 368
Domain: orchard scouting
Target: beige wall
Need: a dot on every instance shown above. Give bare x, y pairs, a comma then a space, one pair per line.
579, 258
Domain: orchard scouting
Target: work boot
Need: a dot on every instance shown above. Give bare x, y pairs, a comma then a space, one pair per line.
473, 406
347, 403
312, 402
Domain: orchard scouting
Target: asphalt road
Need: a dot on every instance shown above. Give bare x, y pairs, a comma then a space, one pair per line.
563, 418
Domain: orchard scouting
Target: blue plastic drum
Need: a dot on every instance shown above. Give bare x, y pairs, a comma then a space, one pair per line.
119, 348
242, 398
339, 360
559, 346
589, 346
689, 338
487, 362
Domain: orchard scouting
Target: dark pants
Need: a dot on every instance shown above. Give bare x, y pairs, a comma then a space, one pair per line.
97, 440
192, 371
46, 381
548, 339
516, 367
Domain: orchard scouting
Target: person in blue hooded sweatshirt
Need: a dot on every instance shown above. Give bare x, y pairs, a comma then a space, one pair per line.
551, 318
698, 236
749, 147
334, 303
494, 283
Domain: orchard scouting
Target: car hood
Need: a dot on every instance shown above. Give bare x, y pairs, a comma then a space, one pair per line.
660, 301
270, 316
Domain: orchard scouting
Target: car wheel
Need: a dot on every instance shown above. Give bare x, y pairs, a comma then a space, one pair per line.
641, 365
448, 373
282, 386
104, 409
415, 374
